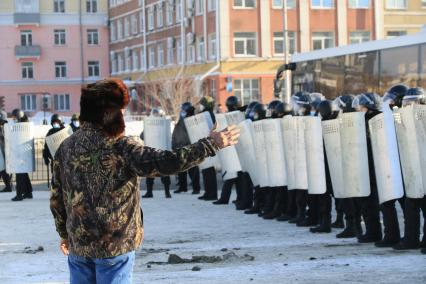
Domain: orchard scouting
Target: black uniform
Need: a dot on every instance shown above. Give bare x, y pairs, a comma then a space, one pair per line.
7, 179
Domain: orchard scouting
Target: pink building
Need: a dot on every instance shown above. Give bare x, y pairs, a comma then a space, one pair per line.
48, 50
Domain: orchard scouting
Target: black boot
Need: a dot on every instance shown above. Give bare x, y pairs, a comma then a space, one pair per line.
285, 217
324, 226
351, 231
255, 209
423, 250
148, 194
278, 206
246, 185
300, 217
6, 189
17, 198
391, 226
406, 245
167, 191
338, 224
226, 192
269, 202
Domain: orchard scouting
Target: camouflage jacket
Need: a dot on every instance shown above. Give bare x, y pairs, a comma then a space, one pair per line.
95, 197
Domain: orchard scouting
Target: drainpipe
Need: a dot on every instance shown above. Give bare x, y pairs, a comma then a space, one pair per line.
80, 22
182, 30
144, 59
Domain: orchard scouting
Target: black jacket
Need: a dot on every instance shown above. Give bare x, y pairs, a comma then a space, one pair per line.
369, 115
180, 136
46, 153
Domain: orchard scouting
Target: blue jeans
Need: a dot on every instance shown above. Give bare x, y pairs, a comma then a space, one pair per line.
113, 270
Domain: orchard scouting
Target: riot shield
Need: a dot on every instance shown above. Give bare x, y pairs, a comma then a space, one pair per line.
386, 157
134, 128
198, 127
315, 155
19, 147
55, 140
157, 132
300, 169
260, 153
229, 161
288, 125
409, 141
245, 150
353, 140
234, 117
277, 175
2, 163
331, 134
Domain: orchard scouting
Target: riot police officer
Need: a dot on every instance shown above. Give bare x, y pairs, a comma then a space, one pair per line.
7, 179
57, 124
206, 104
242, 182
24, 189
180, 139
165, 180
75, 122
413, 206
395, 95
369, 103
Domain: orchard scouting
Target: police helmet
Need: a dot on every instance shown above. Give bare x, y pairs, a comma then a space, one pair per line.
271, 109
250, 107
56, 118
18, 113
258, 112
283, 109
370, 101
414, 96
232, 103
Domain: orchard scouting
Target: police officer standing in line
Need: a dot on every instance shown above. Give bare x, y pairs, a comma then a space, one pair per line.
392, 236
276, 196
57, 124
347, 205
325, 111
369, 103
7, 179
257, 111
165, 180
24, 189
242, 182
207, 104
75, 122
180, 139
413, 206
289, 210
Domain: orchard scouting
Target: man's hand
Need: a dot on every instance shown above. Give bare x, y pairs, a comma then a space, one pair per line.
227, 137
64, 247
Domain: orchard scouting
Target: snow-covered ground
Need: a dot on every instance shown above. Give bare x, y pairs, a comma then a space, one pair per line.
188, 227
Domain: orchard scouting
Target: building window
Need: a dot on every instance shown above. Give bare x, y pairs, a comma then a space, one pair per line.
134, 21
357, 4
170, 50
126, 26
62, 102
358, 37
93, 68
60, 69
26, 6
128, 55
112, 31
141, 22
322, 40
119, 29
26, 38
213, 89
190, 57
201, 51
244, 3
143, 59
92, 37
178, 11
151, 18
247, 90
27, 69
120, 63
60, 37
160, 17
169, 13
160, 55
245, 44
113, 63
278, 4
396, 4
199, 7
135, 62
279, 43
211, 5
151, 57
29, 102
179, 51
91, 6
59, 6
391, 34
212, 47
322, 4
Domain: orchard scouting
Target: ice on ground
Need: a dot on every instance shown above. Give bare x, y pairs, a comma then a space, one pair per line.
190, 229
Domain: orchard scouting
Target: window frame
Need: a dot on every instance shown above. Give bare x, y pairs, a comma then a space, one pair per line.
29, 70
199, 9
160, 15
61, 35
243, 5
59, 6
29, 99
201, 56
160, 55
91, 6
323, 40
280, 7
357, 6
151, 18
28, 34
92, 34
212, 48
178, 12
291, 39
66, 100
241, 90
394, 7
151, 52
245, 40
92, 66
358, 37
322, 7
211, 5
61, 69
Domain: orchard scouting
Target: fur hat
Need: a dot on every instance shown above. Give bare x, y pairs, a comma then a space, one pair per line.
101, 103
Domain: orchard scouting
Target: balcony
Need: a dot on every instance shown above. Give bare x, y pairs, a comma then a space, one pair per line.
30, 51
26, 18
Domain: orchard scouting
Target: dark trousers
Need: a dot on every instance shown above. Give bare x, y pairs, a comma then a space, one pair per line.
390, 221
291, 209
7, 179
241, 184
301, 201
413, 206
194, 175
164, 180
23, 184
369, 208
247, 189
210, 182
313, 207
324, 205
